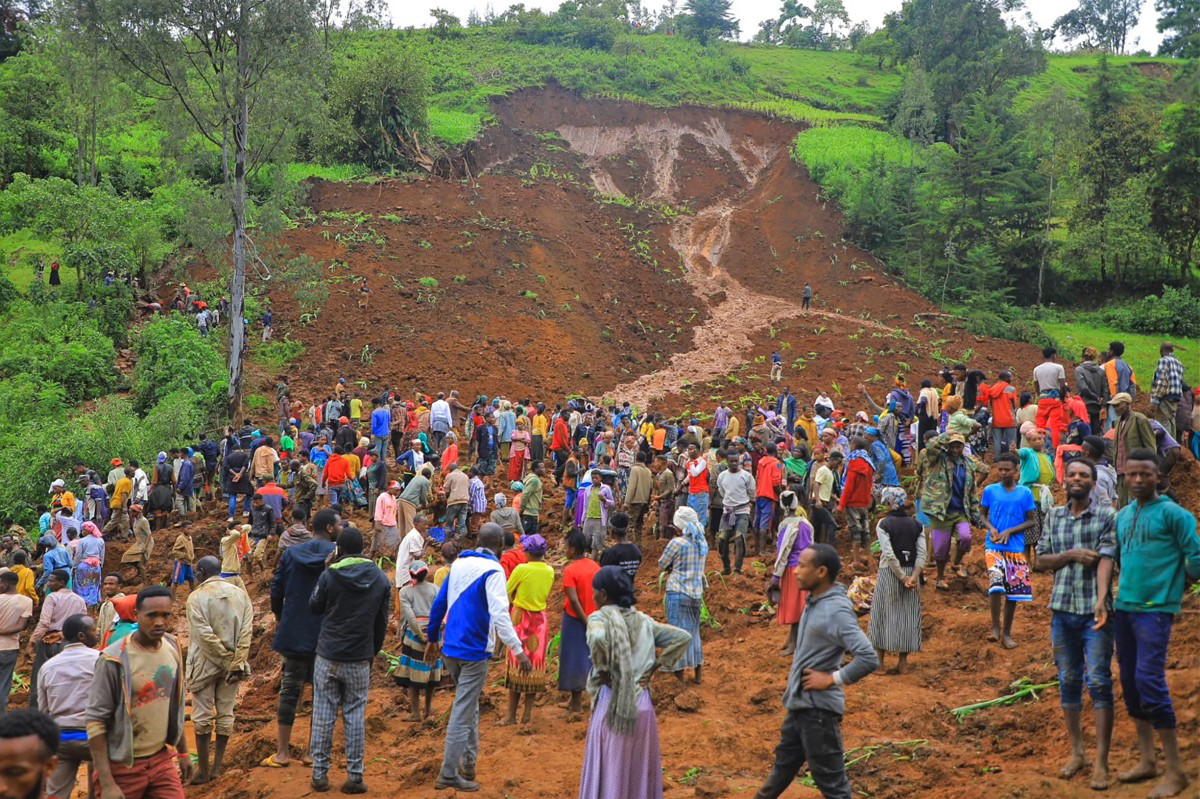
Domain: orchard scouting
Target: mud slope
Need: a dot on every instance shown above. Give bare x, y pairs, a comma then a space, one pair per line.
605, 248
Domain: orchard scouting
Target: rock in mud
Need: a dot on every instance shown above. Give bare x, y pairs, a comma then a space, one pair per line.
688, 701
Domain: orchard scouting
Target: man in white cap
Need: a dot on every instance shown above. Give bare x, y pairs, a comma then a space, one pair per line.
1133, 431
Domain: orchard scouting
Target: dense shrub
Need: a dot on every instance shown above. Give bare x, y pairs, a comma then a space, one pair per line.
1175, 312
60, 342
174, 357
984, 323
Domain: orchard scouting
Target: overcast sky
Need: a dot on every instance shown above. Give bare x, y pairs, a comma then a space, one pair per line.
751, 12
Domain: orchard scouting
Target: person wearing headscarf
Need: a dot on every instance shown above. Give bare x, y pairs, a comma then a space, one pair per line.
795, 536
896, 608
622, 759
413, 672
529, 588
507, 517
684, 558
519, 452
88, 560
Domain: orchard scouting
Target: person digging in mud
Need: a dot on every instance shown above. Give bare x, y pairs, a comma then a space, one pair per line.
895, 624
220, 622
1008, 511
815, 697
1158, 553
1075, 536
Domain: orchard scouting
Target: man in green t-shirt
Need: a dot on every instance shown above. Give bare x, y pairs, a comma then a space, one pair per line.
531, 498
1158, 553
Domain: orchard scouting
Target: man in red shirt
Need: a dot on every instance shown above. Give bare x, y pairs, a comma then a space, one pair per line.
768, 475
1002, 402
337, 472
858, 493
560, 446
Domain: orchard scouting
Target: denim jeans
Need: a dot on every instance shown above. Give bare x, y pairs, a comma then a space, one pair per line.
812, 736
456, 518
1082, 655
462, 730
1142, 640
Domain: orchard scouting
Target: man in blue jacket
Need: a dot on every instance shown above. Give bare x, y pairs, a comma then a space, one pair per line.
470, 605
296, 626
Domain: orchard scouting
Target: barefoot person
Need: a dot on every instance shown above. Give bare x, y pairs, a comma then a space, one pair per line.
684, 558
1008, 511
1158, 553
896, 608
1074, 538
529, 588
949, 500
815, 697
220, 622
622, 759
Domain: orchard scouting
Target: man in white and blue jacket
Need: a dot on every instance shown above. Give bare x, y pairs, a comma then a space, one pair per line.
470, 612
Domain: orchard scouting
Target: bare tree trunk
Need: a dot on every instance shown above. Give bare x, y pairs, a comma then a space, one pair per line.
1046, 243
237, 308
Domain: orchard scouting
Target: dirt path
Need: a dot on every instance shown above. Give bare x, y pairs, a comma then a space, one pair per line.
735, 312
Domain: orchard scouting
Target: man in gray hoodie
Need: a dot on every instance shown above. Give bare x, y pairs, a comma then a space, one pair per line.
815, 698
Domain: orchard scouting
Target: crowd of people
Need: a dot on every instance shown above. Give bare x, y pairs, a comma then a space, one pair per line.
464, 507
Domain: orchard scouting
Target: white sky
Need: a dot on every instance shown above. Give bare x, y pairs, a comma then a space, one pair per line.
751, 12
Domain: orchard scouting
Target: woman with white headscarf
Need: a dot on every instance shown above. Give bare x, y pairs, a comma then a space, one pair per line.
509, 518
685, 558
896, 608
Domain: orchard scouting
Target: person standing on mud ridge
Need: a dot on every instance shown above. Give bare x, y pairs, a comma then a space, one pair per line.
815, 697
806, 297
1158, 553
353, 599
469, 613
776, 367
1075, 537
296, 626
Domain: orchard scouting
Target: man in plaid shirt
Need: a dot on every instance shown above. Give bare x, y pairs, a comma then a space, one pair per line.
1074, 538
1167, 388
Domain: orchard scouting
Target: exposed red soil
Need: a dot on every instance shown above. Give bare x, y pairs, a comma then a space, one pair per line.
754, 230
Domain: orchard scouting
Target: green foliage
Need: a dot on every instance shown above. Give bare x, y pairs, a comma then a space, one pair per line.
1175, 312
60, 342
1180, 20
278, 353
174, 357
708, 20
377, 110
1074, 331
453, 127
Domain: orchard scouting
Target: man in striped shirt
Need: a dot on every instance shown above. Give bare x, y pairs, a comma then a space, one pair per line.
1167, 388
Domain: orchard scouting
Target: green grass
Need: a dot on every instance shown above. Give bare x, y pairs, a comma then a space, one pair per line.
1141, 351
838, 81
278, 353
454, 127
297, 172
835, 156
19, 252
1075, 74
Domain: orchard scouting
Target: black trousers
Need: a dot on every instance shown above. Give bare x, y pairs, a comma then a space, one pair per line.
824, 526
813, 737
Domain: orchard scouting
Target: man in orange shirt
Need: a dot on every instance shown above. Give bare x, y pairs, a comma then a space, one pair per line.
1002, 402
337, 472
560, 446
769, 478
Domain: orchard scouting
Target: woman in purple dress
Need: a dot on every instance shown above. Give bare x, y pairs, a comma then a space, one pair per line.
622, 760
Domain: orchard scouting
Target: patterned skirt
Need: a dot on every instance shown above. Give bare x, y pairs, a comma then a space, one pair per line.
895, 624
1008, 573
533, 629
413, 671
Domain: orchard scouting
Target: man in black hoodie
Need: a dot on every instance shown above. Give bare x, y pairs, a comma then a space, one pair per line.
354, 599
296, 627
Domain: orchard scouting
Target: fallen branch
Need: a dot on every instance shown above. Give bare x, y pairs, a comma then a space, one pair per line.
1022, 689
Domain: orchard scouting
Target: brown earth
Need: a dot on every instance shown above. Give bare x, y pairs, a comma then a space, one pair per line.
678, 291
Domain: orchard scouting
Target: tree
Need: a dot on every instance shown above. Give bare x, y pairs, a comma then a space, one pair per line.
377, 112
706, 20
1175, 191
1102, 24
30, 118
445, 25
223, 62
827, 16
916, 116
1180, 20
966, 47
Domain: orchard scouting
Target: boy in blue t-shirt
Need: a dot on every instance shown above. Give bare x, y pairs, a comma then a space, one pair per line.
1008, 512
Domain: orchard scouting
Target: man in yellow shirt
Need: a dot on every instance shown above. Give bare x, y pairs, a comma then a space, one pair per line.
119, 505
61, 496
26, 586
356, 409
